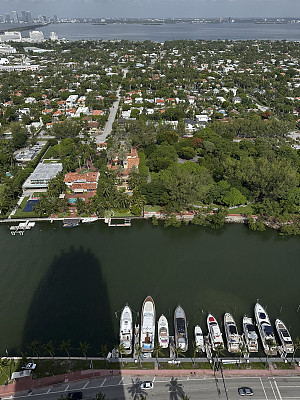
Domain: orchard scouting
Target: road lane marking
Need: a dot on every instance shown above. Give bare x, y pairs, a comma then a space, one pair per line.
263, 389
121, 381
273, 390
103, 382
153, 380
280, 398
48, 391
86, 385
67, 388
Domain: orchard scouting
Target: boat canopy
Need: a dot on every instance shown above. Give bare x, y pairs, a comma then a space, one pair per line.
269, 330
262, 315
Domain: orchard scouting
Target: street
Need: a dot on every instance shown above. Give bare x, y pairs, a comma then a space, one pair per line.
200, 388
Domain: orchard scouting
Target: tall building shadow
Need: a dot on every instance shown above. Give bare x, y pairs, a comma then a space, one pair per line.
71, 304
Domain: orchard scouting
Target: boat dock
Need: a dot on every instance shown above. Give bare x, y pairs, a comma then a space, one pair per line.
172, 347
127, 222
207, 347
21, 228
136, 339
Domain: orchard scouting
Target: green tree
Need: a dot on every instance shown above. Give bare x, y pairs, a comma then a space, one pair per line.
49, 348
66, 347
157, 352
84, 347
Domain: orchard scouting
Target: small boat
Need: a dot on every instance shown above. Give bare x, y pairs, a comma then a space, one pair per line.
163, 332
250, 335
181, 335
231, 332
265, 330
284, 336
89, 219
148, 326
199, 338
126, 329
215, 334
71, 223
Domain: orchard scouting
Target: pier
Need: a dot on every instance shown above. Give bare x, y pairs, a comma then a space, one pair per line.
136, 340
21, 228
127, 222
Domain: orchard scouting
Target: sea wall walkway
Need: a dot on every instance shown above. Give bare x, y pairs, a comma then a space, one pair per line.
28, 383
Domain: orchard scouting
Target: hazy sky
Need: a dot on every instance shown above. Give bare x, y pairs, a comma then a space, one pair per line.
155, 8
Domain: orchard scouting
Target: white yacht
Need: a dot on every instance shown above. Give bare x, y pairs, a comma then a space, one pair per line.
148, 326
232, 336
181, 336
250, 335
163, 332
126, 329
265, 330
284, 336
214, 333
199, 338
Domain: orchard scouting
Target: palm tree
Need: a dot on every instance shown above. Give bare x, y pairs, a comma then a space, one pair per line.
157, 352
84, 347
66, 346
296, 347
196, 349
49, 347
121, 350
3, 366
179, 351
138, 352
104, 352
242, 349
100, 396
35, 348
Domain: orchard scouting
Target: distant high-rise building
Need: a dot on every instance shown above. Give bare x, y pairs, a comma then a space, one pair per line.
40, 19
23, 16
28, 16
55, 19
53, 36
7, 18
15, 17
1, 19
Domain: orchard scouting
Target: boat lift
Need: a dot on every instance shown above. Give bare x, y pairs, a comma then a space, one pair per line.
21, 228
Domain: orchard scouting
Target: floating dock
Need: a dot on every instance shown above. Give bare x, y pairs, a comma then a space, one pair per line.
127, 222
21, 228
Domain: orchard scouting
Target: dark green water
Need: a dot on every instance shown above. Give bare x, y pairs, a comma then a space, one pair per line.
64, 284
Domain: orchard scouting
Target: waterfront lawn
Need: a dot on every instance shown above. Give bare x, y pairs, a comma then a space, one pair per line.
121, 214
248, 210
152, 208
57, 367
130, 365
7, 368
283, 365
185, 365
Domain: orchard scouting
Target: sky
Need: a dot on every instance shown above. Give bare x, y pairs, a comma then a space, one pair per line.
155, 8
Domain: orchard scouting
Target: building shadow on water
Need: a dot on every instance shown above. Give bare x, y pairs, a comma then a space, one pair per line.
71, 304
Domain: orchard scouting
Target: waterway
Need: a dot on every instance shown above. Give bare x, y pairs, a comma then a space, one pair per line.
58, 284
161, 33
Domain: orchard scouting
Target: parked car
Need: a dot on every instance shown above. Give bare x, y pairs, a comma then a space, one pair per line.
75, 396
245, 391
147, 385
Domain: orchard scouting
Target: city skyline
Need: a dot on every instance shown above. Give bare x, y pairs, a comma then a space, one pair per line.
154, 8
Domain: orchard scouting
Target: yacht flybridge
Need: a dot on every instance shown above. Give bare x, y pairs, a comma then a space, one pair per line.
148, 325
126, 329
232, 336
163, 332
199, 338
250, 335
265, 330
215, 334
284, 336
181, 337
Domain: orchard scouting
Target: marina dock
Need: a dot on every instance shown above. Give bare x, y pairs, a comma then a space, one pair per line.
127, 222
136, 339
21, 228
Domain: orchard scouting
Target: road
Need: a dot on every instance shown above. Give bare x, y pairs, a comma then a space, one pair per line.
166, 388
112, 115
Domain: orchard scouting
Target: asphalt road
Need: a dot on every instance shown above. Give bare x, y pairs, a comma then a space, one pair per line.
165, 388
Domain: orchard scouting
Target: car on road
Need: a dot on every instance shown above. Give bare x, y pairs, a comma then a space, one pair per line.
245, 391
147, 385
75, 396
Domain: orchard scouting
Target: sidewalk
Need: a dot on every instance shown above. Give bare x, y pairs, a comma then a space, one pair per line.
24, 384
